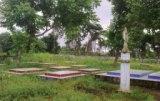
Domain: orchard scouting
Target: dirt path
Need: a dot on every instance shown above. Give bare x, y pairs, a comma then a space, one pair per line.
156, 94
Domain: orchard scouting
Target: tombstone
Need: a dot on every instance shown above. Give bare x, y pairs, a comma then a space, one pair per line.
89, 70
25, 70
155, 76
61, 74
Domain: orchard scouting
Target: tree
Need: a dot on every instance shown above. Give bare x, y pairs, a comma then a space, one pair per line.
5, 42
94, 31
51, 43
115, 41
145, 14
20, 41
35, 15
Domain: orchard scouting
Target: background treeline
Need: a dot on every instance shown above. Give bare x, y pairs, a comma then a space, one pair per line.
30, 20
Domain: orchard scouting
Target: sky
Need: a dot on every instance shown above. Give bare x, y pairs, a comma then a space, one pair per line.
103, 12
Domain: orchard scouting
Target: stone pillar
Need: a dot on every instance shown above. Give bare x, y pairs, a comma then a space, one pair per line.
125, 72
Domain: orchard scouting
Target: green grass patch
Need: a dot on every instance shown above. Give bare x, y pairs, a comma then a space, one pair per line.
87, 88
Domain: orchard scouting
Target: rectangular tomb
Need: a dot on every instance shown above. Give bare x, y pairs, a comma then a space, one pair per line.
155, 76
47, 77
143, 81
61, 74
79, 66
89, 70
60, 67
133, 73
25, 70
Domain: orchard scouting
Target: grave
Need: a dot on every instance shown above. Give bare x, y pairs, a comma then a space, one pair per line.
2, 64
32, 62
79, 66
62, 74
60, 67
89, 70
70, 62
155, 76
25, 70
40, 63
141, 78
133, 73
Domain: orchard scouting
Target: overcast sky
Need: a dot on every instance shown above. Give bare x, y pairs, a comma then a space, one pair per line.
103, 12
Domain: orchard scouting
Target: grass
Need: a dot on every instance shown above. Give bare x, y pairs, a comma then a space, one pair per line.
88, 88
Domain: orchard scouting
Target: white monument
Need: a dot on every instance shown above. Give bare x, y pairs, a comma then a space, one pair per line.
125, 65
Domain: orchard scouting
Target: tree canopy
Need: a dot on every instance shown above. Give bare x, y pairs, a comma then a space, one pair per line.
35, 15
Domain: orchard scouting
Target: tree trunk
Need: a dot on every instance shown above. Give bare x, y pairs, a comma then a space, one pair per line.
18, 57
116, 56
89, 47
78, 46
158, 57
142, 56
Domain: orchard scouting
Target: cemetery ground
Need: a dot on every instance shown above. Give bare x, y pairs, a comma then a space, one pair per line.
85, 88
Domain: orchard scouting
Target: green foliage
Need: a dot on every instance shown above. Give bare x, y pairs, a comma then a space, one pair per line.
145, 13
37, 46
52, 45
63, 13
21, 14
115, 40
5, 42
25, 87
19, 41
32, 16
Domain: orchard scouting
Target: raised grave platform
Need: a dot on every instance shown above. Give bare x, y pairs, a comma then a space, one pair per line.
25, 70
62, 74
79, 66
41, 63
141, 78
155, 76
70, 62
89, 70
133, 73
60, 67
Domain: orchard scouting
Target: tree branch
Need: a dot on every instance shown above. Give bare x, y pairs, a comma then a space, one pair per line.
37, 35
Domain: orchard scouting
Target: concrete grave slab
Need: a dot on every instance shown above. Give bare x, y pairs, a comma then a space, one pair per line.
143, 78
60, 67
89, 70
25, 70
40, 63
133, 73
63, 77
155, 76
62, 74
79, 66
